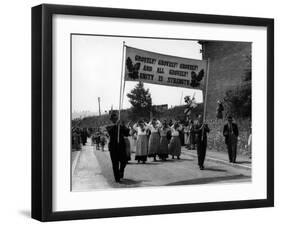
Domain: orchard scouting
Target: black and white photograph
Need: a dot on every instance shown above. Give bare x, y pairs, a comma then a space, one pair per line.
142, 112
159, 112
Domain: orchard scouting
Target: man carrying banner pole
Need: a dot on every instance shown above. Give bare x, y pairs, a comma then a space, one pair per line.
201, 128
116, 146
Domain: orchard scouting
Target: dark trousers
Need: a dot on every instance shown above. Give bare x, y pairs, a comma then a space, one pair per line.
232, 151
232, 148
118, 165
201, 152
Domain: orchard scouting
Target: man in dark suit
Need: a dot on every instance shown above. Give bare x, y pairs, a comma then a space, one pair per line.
117, 148
230, 132
201, 129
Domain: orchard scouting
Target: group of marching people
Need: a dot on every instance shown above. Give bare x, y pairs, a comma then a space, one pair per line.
155, 139
152, 140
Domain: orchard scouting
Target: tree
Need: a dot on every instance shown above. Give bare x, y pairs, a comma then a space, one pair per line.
239, 101
248, 69
141, 102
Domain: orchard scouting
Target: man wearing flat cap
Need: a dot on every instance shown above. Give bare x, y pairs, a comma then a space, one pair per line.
117, 147
230, 132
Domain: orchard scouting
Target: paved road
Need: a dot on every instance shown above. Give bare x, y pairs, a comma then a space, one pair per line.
92, 170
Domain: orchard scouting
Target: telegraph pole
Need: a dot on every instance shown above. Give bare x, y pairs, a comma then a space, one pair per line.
99, 106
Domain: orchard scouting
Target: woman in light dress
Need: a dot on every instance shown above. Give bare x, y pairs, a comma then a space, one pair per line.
163, 146
189, 138
142, 141
186, 134
175, 143
154, 138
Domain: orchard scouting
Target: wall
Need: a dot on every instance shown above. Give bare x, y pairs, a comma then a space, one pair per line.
15, 93
227, 65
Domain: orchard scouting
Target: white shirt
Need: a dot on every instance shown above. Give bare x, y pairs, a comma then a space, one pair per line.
163, 132
175, 132
139, 130
154, 129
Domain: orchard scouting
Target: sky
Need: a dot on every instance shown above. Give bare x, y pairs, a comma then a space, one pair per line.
96, 71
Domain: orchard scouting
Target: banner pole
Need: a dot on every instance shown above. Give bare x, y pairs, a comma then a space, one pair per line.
206, 90
120, 97
124, 85
205, 98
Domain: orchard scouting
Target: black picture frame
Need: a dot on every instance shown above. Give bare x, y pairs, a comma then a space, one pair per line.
42, 111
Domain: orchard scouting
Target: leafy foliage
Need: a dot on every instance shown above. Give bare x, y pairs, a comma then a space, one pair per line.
141, 102
248, 69
239, 101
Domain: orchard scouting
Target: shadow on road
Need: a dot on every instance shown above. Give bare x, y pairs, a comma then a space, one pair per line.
178, 160
159, 162
215, 170
243, 162
209, 180
141, 164
126, 181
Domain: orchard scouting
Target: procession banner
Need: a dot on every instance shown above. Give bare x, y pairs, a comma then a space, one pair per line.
161, 69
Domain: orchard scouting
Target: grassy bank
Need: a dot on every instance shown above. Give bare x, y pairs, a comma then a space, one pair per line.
216, 139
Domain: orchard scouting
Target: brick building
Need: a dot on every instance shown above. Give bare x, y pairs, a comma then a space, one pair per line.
228, 62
